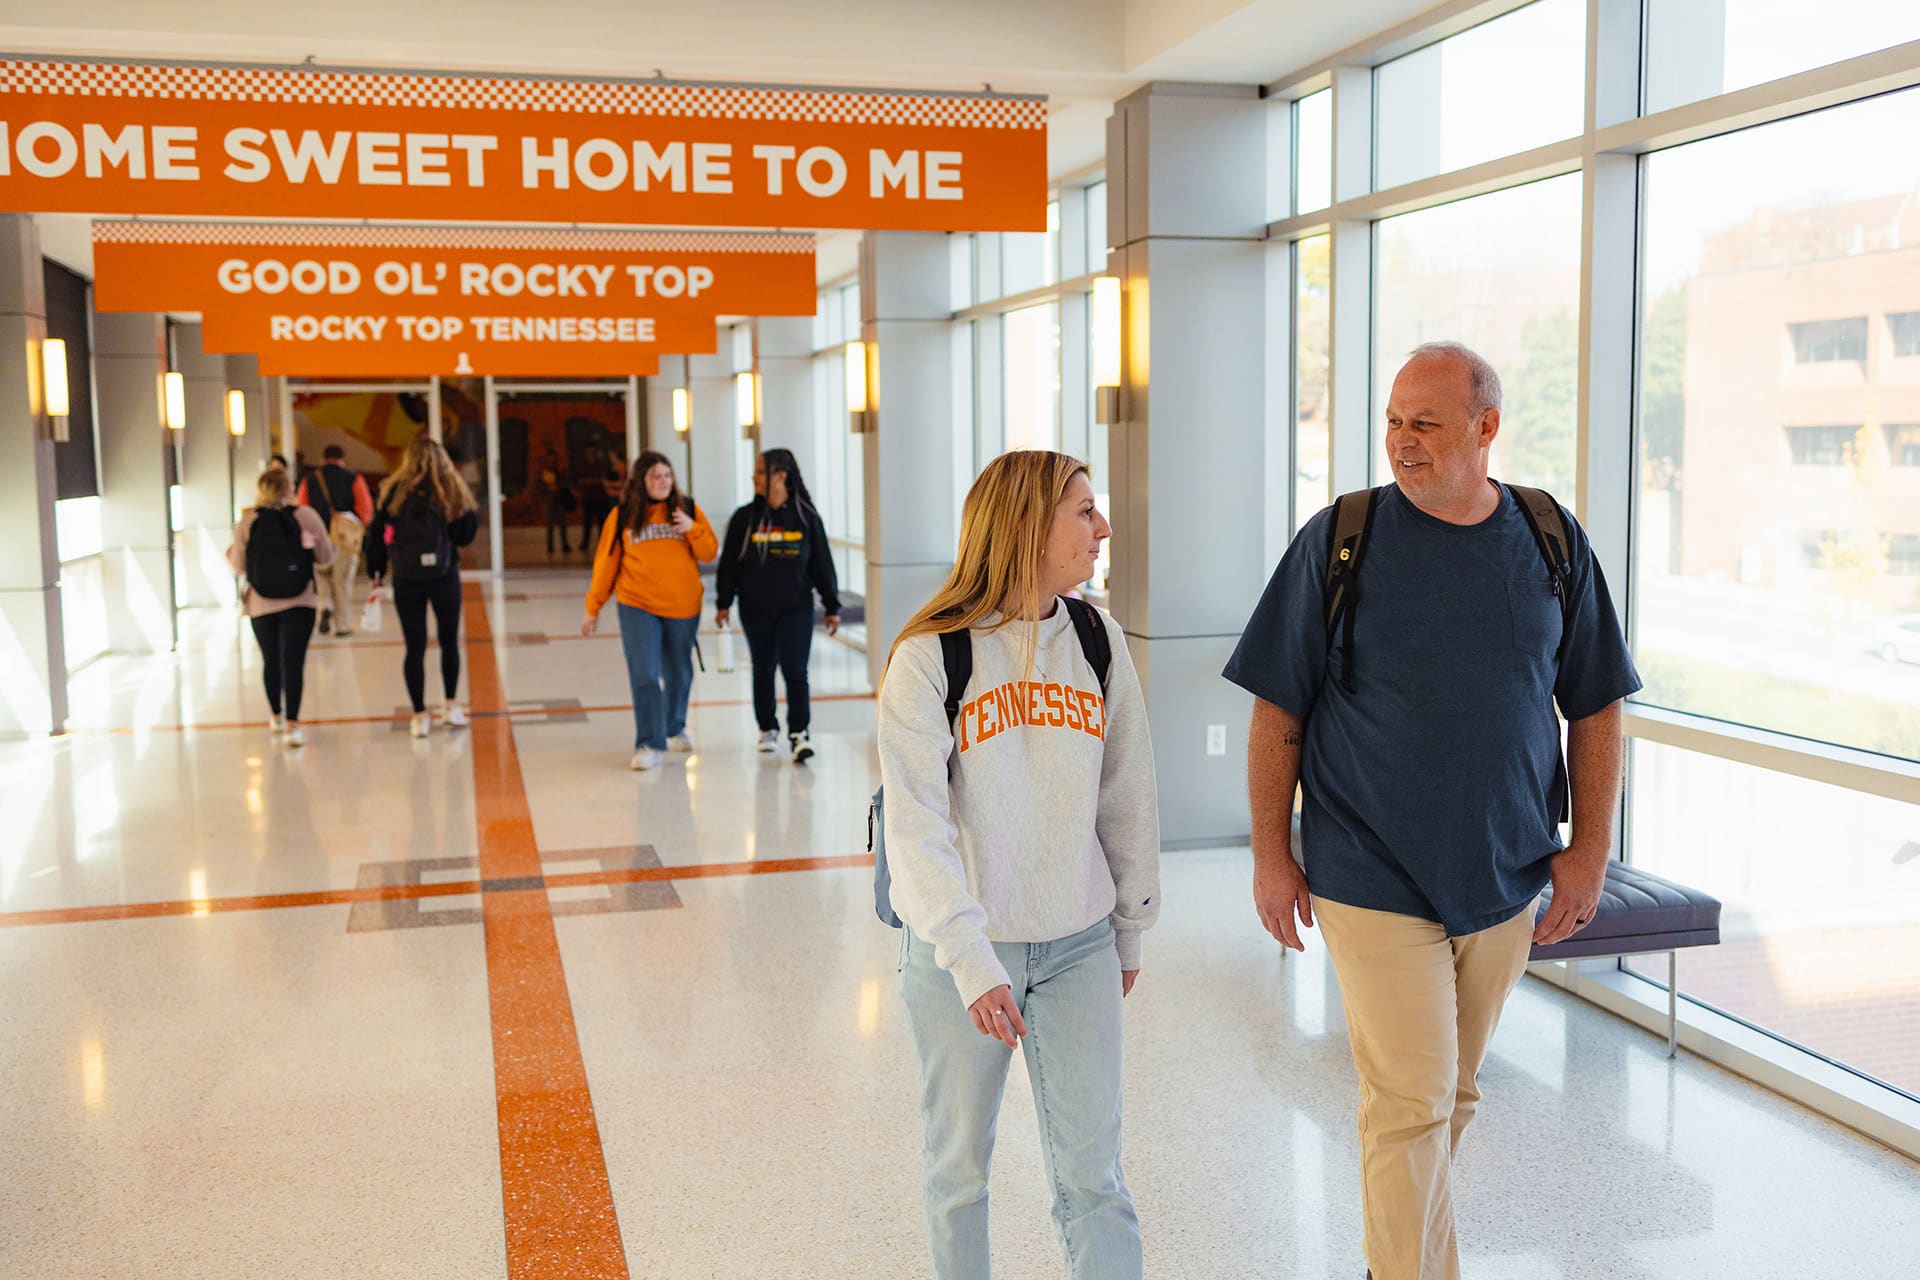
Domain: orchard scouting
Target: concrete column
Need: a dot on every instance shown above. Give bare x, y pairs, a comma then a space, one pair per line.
905, 310
129, 359
250, 453
714, 446
1187, 203
33, 667
206, 519
786, 387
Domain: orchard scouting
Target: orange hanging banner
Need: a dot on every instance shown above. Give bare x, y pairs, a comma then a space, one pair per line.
359, 301
250, 141
246, 268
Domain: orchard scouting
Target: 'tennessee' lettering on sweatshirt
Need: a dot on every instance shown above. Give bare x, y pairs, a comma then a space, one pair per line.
1034, 815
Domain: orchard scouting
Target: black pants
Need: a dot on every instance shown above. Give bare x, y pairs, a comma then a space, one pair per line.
784, 640
593, 514
283, 638
556, 519
410, 601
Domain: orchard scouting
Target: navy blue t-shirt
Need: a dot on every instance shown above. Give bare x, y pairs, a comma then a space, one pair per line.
1434, 788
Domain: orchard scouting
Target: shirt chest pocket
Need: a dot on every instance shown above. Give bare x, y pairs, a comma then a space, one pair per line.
1536, 616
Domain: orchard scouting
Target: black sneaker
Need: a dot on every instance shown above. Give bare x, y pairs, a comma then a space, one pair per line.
326, 621
802, 747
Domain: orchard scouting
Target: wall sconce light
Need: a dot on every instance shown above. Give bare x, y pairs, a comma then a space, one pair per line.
1106, 350
682, 411
858, 408
236, 413
746, 402
53, 377
176, 387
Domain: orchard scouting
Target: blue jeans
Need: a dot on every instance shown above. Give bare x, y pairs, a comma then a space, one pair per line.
659, 650
1068, 993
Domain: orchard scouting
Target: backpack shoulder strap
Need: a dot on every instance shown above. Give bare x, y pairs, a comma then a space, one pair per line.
1352, 522
956, 651
1094, 641
1550, 535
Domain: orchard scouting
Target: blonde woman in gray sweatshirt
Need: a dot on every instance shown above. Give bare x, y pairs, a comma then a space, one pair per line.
1023, 838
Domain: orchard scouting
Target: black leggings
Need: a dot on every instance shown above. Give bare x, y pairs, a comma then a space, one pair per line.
410, 601
283, 640
782, 641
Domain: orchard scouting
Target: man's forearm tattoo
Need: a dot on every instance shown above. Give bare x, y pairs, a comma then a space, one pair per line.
1293, 737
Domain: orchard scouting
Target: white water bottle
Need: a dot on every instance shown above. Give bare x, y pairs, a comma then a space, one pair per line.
370, 615
726, 649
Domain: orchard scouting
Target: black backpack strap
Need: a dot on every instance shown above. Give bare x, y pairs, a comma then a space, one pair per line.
1352, 522
1550, 535
1093, 637
956, 651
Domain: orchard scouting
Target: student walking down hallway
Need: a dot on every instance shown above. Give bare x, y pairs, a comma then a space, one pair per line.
650, 551
424, 516
776, 558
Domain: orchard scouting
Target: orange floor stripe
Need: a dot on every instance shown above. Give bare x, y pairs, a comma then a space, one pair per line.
558, 1201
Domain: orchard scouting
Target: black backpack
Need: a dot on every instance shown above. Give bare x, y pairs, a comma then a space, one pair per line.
956, 650
1353, 521
278, 567
420, 547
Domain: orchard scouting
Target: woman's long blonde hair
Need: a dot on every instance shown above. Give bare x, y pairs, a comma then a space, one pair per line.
1003, 537
426, 463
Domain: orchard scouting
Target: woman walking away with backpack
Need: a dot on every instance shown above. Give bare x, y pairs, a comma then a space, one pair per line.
1023, 839
425, 514
648, 560
278, 546
775, 558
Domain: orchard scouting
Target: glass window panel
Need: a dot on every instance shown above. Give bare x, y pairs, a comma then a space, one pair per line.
1023, 261
1697, 49
1501, 273
1773, 501
1828, 960
1904, 328
1097, 227
1313, 152
1030, 353
1312, 332
1458, 102
1903, 445
1050, 266
960, 271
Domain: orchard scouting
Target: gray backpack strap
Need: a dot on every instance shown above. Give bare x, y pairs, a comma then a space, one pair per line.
1352, 521
1550, 535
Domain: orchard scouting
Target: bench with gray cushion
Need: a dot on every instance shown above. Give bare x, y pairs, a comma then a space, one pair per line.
1640, 914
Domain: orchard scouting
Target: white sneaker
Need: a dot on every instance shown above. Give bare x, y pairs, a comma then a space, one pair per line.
454, 715
770, 741
419, 725
680, 742
296, 736
802, 747
276, 724
644, 758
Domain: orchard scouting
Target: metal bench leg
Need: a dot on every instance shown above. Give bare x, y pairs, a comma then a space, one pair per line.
1673, 1004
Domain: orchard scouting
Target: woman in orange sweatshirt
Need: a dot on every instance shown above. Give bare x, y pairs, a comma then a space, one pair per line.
648, 560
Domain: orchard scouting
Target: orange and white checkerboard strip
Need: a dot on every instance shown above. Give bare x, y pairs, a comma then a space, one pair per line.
198, 82
346, 236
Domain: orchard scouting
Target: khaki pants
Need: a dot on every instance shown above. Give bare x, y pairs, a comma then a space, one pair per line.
336, 591
1421, 1009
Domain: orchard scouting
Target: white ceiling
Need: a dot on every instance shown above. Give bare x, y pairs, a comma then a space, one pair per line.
1083, 54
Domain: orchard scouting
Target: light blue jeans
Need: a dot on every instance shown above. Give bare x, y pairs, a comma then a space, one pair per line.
659, 650
1068, 993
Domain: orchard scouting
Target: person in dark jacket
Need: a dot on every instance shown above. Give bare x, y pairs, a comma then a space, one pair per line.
775, 558
425, 514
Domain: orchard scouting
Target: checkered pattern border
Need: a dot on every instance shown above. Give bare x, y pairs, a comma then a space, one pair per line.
353, 236
197, 82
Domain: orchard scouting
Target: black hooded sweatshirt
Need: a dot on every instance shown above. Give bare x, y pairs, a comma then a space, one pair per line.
774, 559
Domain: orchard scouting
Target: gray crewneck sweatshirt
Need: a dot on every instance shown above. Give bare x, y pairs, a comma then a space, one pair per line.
1035, 814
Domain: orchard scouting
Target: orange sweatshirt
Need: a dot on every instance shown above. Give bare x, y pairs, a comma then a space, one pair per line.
652, 567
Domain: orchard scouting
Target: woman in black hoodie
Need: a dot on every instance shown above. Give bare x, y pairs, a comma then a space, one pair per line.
775, 558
